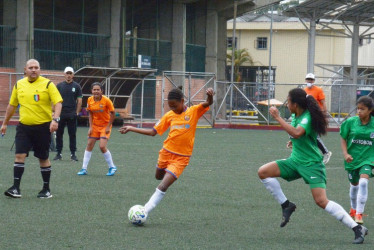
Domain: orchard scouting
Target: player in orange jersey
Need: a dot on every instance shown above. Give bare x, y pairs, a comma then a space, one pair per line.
101, 117
177, 148
319, 95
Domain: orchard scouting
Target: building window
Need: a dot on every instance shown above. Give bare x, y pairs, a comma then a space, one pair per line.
262, 43
229, 42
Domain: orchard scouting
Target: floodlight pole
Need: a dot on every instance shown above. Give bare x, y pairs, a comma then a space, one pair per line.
270, 50
233, 58
311, 45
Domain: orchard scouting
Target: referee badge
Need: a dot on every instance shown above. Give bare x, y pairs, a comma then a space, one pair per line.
371, 135
73, 89
36, 97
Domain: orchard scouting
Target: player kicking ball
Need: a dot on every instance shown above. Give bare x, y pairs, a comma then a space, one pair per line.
305, 161
175, 155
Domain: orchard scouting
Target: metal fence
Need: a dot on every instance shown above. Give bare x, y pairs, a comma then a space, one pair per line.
238, 103
56, 49
7, 46
242, 102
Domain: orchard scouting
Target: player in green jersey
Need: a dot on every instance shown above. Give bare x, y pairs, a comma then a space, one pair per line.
357, 139
305, 161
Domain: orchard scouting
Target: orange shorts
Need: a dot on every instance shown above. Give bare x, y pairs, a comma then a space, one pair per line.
172, 163
99, 133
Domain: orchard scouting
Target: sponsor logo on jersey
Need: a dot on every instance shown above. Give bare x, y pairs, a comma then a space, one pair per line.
371, 135
362, 142
180, 126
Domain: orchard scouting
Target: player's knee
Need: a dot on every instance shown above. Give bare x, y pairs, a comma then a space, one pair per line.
103, 149
321, 202
261, 173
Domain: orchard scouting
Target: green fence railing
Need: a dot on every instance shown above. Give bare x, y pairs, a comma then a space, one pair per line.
158, 50
7, 46
57, 49
195, 58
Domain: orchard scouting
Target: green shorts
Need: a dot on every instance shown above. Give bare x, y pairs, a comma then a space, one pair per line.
354, 175
314, 175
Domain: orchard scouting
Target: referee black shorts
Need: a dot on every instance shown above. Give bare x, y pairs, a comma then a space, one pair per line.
36, 137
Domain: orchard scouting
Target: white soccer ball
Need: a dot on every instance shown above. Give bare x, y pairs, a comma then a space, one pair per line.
137, 215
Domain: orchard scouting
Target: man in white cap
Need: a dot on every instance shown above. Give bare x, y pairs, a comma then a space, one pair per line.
319, 95
71, 93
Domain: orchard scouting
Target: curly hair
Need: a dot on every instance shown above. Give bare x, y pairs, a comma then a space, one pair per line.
176, 94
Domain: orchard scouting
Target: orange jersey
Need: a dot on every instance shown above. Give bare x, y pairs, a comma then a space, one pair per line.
100, 110
182, 129
317, 93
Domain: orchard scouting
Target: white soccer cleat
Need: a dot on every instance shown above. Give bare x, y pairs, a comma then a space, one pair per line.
326, 157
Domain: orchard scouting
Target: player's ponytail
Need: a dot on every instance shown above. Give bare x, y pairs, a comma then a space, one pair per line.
367, 101
304, 101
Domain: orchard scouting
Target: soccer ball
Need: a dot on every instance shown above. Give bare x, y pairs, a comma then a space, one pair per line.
137, 215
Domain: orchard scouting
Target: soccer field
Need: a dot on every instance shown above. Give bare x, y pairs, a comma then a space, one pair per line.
218, 203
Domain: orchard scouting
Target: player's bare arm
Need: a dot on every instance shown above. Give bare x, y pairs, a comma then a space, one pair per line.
143, 131
112, 116
292, 131
209, 99
347, 157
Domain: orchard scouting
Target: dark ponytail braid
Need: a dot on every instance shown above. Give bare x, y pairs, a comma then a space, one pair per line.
299, 96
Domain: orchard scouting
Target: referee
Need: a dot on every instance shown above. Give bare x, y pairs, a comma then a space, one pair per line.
35, 96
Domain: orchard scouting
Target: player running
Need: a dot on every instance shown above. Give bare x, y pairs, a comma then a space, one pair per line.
305, 161
357, 137
101, 117
177, 149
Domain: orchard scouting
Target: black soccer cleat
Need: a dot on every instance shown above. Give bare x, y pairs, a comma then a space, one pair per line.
58, 157
360, 232
287, 212
73, 158
45, 194
13, 192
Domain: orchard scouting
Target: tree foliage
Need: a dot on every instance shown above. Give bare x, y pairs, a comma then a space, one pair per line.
241, 56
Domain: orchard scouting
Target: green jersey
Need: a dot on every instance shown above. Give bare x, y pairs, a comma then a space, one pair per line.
360, 140
304, 149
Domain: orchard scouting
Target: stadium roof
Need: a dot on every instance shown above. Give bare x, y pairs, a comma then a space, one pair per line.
348, 11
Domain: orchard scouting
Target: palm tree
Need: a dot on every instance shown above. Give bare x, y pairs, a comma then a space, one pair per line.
241, 56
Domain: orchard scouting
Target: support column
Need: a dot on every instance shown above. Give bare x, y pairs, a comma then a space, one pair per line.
211, 39
109, 23
178, 54
24, 33
354, 53
115, 33
311, 46
221, 48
